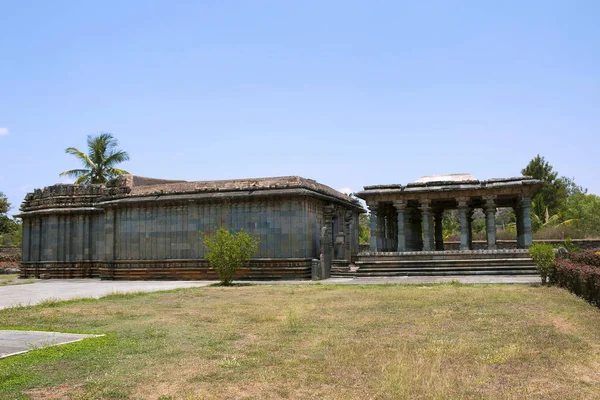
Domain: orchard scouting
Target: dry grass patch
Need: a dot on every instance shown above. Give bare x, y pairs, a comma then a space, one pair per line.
316, 341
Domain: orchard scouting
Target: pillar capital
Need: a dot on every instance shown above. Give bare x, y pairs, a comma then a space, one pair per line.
400, 205
372, 206
463, 202
425, 205
490, 203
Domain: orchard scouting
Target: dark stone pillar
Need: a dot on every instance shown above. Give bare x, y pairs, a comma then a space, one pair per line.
408, 229
427, 218
417, 233
519, 218
348, 217
526, 217
400, 207
463, 212
373, 220
326, 242
439, 233
490, 221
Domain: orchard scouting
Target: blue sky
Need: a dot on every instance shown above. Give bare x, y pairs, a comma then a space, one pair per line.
347, 93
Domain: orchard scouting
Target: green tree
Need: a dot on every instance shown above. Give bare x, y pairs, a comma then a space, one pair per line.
10, 229
228, 251
364, 229
99, 162
582, 211
551, 198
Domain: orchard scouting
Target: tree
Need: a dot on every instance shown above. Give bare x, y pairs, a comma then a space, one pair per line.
228, 251
99, 163
10, 229
551, 198
364, 229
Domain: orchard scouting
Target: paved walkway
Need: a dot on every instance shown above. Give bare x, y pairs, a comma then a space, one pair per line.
59, 289
19, 342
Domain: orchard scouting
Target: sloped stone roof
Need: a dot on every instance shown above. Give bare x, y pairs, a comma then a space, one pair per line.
151, 186
465, 177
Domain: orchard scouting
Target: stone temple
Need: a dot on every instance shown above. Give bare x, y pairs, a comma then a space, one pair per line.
145, 228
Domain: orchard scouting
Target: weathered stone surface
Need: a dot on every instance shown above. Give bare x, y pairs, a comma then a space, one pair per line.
134, 227
416, 208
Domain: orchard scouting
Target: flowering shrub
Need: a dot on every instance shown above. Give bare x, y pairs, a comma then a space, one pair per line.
581, 279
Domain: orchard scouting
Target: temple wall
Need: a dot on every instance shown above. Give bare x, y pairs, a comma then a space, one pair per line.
63, 238
287, 228
174, 231
74, 231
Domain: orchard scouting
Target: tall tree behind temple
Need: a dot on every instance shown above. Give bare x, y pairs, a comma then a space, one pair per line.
99, 163
553, 195
10, 229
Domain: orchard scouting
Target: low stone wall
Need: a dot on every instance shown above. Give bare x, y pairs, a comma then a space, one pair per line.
583, 244
512, 244
10, 257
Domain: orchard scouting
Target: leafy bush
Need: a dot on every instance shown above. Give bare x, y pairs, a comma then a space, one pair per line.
588, 257
570, 246
581, 279
543, 256
228, 251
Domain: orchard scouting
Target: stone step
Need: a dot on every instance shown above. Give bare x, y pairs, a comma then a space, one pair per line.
470, 268
458, 261
446, 272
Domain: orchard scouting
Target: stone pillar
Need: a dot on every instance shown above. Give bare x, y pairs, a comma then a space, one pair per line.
417, 233
400, 206
490, 221
470, 220
519, 224
408, 231
348, 218
428, 230
526, 217
26, 242
380, 227
463, 212
373, 226
439, 233
327, 242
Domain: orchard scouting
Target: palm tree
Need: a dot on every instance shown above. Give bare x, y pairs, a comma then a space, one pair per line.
99, 163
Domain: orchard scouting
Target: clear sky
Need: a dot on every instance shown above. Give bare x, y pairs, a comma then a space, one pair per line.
348, 93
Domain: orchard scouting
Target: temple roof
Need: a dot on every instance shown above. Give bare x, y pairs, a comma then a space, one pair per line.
142, 186
446, 178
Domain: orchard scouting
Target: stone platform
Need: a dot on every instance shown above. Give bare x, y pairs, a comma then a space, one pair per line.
440, 263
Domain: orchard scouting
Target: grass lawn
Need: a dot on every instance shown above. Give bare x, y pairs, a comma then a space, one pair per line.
314, 341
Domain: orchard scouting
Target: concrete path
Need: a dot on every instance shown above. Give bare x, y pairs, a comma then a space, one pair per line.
19, 342
68, 289
58, 289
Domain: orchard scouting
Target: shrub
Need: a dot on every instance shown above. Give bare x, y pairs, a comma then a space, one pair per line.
543, 256
228, 251
583, 280
570, 246
588, 257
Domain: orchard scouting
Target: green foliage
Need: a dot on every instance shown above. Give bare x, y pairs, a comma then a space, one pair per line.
582, 211
364, 229
551, 198
228, 251
450, 224
99, 163
570, 246
10, 229
543, 256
